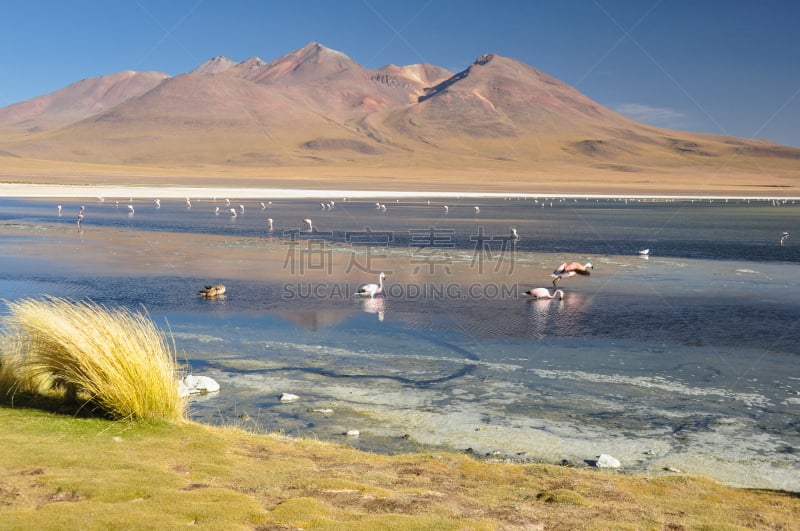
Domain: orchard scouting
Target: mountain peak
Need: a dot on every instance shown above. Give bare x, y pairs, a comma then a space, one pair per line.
484, 59
215, 65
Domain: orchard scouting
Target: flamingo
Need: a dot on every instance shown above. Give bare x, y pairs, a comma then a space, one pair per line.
269, 224
188, 203
544, 293
477, 210
446, 208
644, 252
157, 202
570, 269
130, 209
309, 226
514, 234
263, 206
784, 235
241, 209
233, 213
372, 289
216, 211
80, 218
59, 210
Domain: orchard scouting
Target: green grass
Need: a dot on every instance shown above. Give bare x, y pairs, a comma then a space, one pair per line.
114, 360
62, 472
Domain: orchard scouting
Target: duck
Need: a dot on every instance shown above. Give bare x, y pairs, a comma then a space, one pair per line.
212, 291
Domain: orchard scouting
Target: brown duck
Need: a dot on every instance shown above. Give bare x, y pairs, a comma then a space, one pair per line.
212, 291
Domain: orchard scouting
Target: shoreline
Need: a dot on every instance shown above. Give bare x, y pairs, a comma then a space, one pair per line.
39, 191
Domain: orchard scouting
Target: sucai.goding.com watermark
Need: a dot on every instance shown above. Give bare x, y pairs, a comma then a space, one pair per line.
403, 291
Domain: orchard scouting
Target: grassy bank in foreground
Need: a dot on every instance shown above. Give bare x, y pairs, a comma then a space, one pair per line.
64, 472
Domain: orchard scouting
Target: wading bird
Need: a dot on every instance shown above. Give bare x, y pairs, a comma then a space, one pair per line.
570, 269
269, 224
372, 289
784, 235
514, 234
308, 225
544, 293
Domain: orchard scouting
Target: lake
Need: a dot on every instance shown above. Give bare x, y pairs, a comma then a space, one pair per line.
685, 358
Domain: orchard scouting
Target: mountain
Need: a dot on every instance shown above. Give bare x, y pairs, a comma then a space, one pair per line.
317, 107
77, 101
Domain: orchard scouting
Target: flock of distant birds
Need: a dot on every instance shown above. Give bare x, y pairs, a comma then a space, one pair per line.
371, 290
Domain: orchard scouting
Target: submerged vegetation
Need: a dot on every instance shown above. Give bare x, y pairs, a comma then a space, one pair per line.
113, 360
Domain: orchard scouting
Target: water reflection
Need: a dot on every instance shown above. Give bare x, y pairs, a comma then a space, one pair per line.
375, 305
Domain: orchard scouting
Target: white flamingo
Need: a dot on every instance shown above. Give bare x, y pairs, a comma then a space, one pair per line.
477, 210
269, 224
544, 293
216, 211
59, 210
514, 234
130, 209
157, 202
446, 208
308, 224
233, 213
372, 289
784, 235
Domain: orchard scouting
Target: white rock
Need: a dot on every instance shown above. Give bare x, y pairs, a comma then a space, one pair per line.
607, 461
289, 397
353, 433
197, 385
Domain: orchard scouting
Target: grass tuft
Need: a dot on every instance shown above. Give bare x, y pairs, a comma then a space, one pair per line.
113, 358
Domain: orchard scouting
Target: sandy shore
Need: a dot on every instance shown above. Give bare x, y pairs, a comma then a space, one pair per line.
195, 192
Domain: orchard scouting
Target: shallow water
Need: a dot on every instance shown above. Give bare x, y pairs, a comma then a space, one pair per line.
686, 359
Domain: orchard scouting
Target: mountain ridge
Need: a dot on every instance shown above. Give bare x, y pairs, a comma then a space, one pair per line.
317, 107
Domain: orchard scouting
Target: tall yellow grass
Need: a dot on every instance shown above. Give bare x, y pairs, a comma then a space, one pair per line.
117, 359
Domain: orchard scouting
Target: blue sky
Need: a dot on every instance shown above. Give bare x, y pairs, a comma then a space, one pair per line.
715, 66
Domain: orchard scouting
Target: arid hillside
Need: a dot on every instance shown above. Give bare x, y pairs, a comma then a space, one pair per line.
315, 117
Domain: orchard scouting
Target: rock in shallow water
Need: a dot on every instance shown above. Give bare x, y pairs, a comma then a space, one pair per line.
607, 461
289, 397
